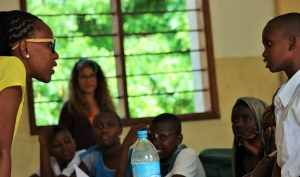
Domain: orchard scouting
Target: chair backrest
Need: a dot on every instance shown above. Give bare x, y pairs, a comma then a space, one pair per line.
216, 162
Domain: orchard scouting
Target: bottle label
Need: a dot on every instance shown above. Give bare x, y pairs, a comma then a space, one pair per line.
149, 169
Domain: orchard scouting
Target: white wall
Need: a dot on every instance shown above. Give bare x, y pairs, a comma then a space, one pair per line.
237, 26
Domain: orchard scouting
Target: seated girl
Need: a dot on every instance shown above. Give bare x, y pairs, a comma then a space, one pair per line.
248, 147
266, 165
102, 159
57, 141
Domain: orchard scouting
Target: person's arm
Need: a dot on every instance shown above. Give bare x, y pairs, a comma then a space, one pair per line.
10, 99
253, 144
129, 140
263, 168
269, 138
45, 133
276, 171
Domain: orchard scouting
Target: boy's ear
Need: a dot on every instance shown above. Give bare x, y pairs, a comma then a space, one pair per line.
179, 139
293, 42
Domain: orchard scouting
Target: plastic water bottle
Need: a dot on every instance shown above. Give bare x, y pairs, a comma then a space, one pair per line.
145, 159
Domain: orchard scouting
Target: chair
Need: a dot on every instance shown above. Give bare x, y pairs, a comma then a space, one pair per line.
216, 162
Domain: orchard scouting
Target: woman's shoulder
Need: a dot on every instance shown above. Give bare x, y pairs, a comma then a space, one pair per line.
9, 59
15, 72
11, 62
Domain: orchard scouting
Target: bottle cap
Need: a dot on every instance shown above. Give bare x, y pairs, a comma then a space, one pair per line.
142, 133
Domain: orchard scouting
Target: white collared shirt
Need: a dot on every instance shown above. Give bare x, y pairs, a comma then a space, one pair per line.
287, 135
68, 170
188, 164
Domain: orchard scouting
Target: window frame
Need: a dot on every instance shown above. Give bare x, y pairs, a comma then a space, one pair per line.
214, 113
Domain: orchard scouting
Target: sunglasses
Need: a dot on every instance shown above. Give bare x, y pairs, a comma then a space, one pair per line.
36, 40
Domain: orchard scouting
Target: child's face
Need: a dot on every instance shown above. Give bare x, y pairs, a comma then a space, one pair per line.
165, 140
63, 147
276, 52
242, 120
106, 130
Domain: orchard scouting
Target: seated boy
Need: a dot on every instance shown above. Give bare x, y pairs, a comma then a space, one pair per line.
175, 160
165, 134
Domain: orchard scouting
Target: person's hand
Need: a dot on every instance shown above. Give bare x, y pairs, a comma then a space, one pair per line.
252, 142
269, 138
265, 167
132, 135
45, 133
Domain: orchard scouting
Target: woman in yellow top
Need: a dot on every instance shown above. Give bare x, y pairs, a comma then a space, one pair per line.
26, 51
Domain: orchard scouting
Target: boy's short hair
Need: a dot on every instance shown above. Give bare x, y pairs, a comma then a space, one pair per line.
111, 112
168, 118
288, 23
59, 128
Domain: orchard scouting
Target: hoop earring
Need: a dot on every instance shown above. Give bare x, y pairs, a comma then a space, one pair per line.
27, 56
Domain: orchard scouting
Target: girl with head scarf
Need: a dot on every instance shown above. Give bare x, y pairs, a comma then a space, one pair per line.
246, 121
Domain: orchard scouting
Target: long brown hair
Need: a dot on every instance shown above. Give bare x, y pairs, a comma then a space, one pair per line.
77, 102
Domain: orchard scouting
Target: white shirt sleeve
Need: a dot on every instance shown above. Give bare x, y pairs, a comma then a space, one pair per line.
291, 166
287, 134
187, 164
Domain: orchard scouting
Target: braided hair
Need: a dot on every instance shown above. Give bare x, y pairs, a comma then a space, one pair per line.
15, 25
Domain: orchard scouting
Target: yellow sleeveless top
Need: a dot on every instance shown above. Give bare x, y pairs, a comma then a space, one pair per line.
13, 73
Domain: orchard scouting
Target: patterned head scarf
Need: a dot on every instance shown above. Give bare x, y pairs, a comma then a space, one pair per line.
257, 107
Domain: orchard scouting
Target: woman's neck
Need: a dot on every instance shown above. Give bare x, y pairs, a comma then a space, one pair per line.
93, 106
90, 97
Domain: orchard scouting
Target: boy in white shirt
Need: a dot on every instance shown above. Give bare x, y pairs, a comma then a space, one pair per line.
281, 39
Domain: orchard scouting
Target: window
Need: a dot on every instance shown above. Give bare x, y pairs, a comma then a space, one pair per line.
157, 56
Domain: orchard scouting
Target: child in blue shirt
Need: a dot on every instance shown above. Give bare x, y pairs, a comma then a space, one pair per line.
102, 159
